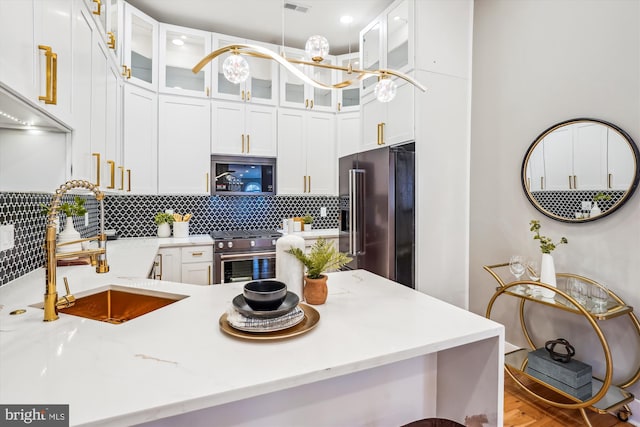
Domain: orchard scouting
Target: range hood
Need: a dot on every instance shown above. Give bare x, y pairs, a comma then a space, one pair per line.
27, 114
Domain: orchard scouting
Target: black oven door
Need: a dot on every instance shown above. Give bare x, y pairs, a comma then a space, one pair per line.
244, 267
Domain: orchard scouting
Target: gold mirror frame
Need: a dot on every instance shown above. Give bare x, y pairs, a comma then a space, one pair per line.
555, 203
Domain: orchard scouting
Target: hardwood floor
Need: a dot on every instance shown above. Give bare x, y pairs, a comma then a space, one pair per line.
522, 409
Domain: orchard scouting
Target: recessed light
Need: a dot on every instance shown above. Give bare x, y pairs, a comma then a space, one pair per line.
346, 19
177, 42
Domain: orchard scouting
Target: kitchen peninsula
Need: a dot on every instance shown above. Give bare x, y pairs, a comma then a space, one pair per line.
381, 355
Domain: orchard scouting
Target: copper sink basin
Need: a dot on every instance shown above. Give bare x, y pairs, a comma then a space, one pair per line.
118, 304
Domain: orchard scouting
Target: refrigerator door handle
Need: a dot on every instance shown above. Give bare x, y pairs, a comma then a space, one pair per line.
352, 180
355, 206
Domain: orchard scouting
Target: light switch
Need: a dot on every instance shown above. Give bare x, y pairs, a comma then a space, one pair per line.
323, 211
86, 219
586, 205
7, 237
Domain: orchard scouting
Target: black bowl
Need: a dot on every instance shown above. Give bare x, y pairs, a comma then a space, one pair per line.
263, 295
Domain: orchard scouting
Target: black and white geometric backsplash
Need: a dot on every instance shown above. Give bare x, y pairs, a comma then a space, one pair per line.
132, 216
23, 210
566, 203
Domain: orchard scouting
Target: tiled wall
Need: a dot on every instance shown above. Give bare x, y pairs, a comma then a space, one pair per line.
132, 216
566, 203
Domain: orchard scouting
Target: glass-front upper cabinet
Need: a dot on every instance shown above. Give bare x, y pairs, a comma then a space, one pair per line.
180, 50
371, 52
108, 16
140, 48
261, 85
295, 93
399, 52
349, 97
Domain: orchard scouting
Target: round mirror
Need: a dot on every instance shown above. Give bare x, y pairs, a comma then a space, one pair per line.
580, 170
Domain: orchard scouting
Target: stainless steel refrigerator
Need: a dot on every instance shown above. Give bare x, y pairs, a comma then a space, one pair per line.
377, 211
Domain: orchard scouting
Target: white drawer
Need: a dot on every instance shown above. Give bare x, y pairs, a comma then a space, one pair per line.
197, 254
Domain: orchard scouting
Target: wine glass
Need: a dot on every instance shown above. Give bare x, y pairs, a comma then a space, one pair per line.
517, 267
533, 271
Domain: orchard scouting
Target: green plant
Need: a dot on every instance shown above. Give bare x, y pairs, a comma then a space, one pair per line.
76, 208
546, 244
162, 217
601, 196
322, 257
307, 219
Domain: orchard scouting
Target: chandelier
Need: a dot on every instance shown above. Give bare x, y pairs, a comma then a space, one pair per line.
236, 69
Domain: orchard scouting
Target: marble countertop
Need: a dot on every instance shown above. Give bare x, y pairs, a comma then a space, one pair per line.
327, 233
177, 359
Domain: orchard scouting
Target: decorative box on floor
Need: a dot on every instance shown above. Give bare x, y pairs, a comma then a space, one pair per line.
573, 377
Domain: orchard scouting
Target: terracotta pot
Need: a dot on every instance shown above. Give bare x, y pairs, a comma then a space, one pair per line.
315, 290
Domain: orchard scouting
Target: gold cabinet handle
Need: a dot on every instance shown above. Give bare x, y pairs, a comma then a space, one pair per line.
207, 184
160, 262
304, 178
609, 180
208, 275
243, 142
207, 90
51, 78
248, 144
126, 72
128, 180
575, 183
309, 180
248, 95
311, 103
542, 182
112, 171
306, 103
121, 177
112, 40
99, 9
382, 133
339, 106
242, 95
569, 182
97, 156
196, 253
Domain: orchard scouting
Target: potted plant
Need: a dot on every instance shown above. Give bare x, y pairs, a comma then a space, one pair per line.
595, 209
69, 233
322, 257
547, 268
163, 221
307, 220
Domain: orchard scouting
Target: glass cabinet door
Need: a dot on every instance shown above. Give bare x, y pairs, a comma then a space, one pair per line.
397, 46
114, 33
322, 99
182, 48
141, 41
370, 50
349, 97
292, 89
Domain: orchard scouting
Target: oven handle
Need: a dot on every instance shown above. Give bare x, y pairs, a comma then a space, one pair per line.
246, 255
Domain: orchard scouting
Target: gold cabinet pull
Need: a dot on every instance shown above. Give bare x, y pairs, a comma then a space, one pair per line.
112, 171
112, 40
575, 183
207, 90
248, 95
126, 72
382, 133
242, 95
304, 178
207, 184
609, 180
306, 103
121, 177
339, 106
128, 180
196, 253
542, 182
159, 276
248, 144
243, 142
309, 180
208, 275
51, 78
311, 103
97, 156
99, 8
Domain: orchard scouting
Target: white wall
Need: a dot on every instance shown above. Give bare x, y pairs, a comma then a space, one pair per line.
536, 63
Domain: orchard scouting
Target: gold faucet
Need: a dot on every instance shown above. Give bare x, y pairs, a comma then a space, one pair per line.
51, 300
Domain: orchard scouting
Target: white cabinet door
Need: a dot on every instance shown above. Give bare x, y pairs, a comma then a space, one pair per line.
295, 93
170, 265
321, 154
183, 145
535, 172
348, 133
140, 48
99, 67
621, 165
199, 273
240, 128
140, 142
349, 97
260, 130
114, 124
374, 113
558, 160
17, 61
292, 161
399, 126
590, 157
53, 24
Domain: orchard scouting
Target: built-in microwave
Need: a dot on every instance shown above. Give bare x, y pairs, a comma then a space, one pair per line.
243, 175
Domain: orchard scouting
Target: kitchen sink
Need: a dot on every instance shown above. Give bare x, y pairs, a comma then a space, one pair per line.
118, 304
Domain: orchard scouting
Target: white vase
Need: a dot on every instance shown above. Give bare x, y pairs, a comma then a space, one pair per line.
595, 210
547, 275
289, 270
68, 234
307, 227
164, 230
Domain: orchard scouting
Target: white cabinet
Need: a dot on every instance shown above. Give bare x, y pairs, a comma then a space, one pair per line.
306, 153
295, 93
535, 169
349, 97
575, 158
388, 42
261, 87
186, 264
348, 133
140, 48
621, 166
388, 123
180, 50
183, 145
108, 16
18, 47
140, 142
241, 128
